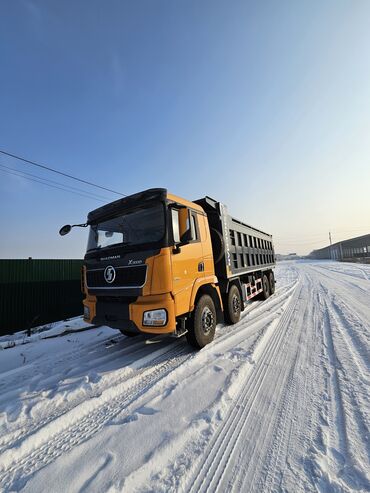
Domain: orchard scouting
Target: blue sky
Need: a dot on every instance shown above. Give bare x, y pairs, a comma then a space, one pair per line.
264, 106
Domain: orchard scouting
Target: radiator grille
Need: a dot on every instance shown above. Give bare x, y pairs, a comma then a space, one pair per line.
126, 277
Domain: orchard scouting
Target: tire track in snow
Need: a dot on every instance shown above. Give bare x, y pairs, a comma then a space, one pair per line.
346, 270
351, 311
308, 429
353, 326
49, 364
350, 372
341, 459
222, 446
194, 441
38, 450
260, 465
291, 416
349, 334
24, 428
352, 284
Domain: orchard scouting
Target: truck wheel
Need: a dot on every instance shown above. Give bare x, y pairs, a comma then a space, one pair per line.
127, 333
233, 306
202, 325
272, 283
266, 288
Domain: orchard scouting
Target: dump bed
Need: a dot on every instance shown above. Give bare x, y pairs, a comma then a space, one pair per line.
238, 248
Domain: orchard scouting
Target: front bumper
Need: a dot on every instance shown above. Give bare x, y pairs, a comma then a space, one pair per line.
129, 315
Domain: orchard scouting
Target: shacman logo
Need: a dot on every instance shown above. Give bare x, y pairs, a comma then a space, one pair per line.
110, 274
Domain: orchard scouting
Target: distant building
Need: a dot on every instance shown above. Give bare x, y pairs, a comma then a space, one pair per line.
289, 256
353, 250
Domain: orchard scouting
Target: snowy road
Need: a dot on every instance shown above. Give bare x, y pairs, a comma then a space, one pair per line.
278, 402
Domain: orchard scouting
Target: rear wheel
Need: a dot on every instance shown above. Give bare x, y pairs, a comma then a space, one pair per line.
202, 325
233, 306
272, 283
265, 288
127, 333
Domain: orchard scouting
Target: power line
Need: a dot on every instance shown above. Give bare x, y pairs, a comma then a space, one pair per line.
34, 163
22, 173
53, 186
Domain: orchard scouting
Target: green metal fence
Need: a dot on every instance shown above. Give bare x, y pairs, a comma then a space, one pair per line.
35, 292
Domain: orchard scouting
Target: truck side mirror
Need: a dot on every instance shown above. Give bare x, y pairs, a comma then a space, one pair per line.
186, 233
65, 230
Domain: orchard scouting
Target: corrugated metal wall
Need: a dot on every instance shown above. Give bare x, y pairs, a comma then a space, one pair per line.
355, 248
34, 292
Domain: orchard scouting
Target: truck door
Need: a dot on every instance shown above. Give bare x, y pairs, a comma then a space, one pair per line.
188, 263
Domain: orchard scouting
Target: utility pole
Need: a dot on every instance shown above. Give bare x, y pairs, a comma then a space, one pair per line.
330, 246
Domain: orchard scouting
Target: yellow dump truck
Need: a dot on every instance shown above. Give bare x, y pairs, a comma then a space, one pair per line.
159, 264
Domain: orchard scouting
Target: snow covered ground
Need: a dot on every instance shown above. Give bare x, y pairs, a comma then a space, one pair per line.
278, 402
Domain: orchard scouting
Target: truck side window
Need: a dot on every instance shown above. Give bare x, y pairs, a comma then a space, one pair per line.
193, 226
175, 225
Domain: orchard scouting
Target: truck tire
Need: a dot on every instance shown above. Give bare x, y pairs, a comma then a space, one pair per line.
272, 283
202, 325
233, 305
127, 333
218, 245
265, 287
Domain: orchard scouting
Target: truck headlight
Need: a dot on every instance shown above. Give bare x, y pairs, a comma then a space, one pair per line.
86, 312
156, 318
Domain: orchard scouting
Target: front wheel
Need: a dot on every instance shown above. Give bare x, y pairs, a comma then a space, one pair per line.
202, 326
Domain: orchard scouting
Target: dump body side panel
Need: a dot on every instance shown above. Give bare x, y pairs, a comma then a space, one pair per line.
244, 250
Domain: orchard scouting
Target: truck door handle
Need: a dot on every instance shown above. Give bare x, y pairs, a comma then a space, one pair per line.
201, 267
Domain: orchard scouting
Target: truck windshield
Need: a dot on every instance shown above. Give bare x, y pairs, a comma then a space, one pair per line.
132, 227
